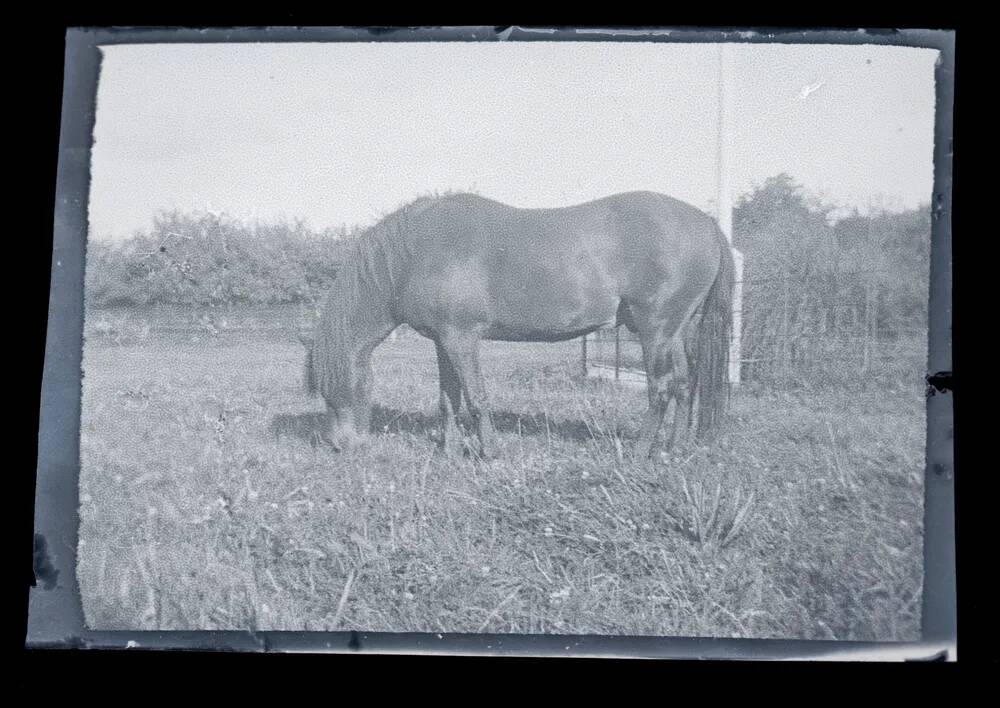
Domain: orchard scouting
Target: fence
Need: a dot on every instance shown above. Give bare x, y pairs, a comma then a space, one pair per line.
796, 331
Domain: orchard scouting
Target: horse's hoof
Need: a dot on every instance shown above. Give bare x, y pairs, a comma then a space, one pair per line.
348, 444
446, 449
476, 454
485, 455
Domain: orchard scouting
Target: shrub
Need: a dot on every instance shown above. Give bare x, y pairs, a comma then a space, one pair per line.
205, 259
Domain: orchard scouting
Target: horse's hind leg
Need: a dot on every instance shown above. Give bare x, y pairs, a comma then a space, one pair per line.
656, 358
652, 359
679, 392
451, 399
666, 362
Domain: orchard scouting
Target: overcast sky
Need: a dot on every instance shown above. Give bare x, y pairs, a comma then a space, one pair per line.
341, 133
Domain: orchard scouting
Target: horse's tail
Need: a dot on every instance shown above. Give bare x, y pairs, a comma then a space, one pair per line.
709, 373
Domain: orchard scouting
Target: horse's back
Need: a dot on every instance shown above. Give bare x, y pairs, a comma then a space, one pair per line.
549, 273
470, 220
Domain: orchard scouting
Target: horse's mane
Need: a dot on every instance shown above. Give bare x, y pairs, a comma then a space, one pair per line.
365, 284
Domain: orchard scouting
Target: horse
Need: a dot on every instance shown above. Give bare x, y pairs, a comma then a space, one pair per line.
463, 268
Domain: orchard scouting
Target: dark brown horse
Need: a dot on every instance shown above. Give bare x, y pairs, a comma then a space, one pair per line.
462, 268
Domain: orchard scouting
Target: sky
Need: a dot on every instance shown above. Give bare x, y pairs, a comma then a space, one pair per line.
342, 133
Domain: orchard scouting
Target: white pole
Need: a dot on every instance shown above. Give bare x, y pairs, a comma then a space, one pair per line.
725, 207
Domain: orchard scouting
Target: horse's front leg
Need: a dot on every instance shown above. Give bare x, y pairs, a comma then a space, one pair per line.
463, 352
451, 400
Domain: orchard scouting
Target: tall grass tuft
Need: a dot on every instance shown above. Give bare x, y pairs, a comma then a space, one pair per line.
714, 519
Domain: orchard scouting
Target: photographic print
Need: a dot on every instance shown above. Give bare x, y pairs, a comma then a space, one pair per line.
532, 338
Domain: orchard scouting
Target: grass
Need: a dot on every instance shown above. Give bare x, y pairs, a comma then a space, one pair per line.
206, 505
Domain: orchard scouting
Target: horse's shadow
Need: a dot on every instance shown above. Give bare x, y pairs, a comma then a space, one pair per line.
311, 426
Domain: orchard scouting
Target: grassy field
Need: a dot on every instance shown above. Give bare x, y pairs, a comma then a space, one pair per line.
205, 503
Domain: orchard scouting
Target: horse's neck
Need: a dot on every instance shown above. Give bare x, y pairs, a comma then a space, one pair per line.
369, 322
372, 338
365, 301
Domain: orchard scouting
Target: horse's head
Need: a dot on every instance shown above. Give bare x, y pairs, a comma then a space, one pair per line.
345, 387
349, 412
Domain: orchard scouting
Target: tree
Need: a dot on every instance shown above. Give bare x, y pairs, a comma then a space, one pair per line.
819, 291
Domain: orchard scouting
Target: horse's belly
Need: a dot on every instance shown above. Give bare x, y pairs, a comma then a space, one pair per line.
521, 334
530, 302
549, 322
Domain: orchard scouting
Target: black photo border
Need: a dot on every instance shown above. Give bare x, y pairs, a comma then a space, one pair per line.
55, 611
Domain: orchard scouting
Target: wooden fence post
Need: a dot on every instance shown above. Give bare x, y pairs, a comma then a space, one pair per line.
784, 348
735, 354
618, 351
